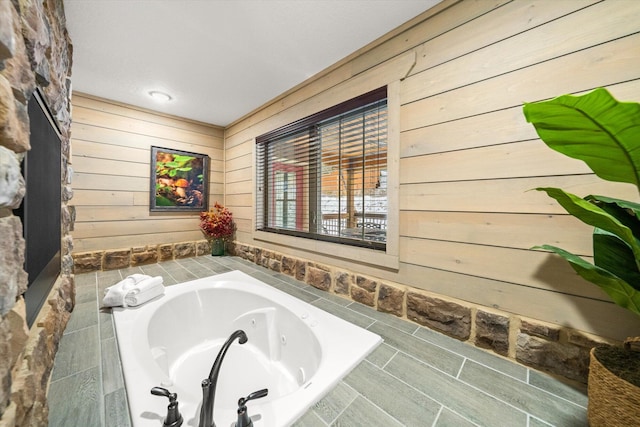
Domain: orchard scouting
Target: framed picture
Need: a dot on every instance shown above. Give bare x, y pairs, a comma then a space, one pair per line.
179, 181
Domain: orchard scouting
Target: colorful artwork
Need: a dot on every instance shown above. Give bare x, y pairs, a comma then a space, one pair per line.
179, 180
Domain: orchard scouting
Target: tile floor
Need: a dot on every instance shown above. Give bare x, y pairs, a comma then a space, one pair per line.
418, 377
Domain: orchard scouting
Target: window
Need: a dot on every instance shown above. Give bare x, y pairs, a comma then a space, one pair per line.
324, 177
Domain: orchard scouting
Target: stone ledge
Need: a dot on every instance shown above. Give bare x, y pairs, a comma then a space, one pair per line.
113, 259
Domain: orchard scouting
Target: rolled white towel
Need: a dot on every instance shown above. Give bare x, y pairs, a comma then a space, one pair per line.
144, 291
134, 280
114, 295
147, 283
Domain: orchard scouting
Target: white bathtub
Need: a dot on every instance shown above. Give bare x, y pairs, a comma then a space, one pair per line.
296, 350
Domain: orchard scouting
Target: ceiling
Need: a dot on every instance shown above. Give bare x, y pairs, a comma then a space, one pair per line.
218, 59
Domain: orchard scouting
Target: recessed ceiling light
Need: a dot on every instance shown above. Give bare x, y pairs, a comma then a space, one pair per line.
160, 96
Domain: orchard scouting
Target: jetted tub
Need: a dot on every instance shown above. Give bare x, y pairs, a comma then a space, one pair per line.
294, 349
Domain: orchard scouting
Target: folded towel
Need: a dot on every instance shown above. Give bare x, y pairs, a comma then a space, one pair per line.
147, 283
148, 290
134, 280
149, 287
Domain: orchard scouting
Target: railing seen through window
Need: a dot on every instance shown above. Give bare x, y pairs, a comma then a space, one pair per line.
325, 177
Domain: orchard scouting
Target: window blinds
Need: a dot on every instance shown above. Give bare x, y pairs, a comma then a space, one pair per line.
325, 178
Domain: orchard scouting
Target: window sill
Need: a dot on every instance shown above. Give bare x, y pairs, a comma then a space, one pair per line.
348, 253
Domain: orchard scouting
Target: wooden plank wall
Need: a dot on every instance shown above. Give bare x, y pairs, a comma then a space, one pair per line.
111, 162
468, 158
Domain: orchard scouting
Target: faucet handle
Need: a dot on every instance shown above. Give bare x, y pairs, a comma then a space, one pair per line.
255, 395
243, 418
161, 391
174, 418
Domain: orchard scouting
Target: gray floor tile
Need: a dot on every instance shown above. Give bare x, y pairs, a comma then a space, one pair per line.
434, 355
343, 312
86, 279
109, 276
448, 418
78, 351
76, 401
363, 413
524, 397
181, 275
382, 355
116, 409
395, 397
386, 318
472, 404
573, 393
85, 314
85, 287
107, 329
534, 422
153, 270
310, 419
200, 271
482, 356
297, 292
332, 405
112, 378
339, 300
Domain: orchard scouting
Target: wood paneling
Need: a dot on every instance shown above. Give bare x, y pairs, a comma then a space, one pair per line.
467, 157
111, 154
519, 231
601, 65
519, 159
465, 164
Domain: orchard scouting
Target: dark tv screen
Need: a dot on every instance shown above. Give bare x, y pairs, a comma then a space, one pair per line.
40, 209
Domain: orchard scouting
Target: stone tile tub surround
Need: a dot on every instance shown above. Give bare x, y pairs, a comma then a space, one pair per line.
551, 348
35, 51
417, 377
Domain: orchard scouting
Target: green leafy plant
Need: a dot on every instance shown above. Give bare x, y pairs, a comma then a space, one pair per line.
605, 134
178, 167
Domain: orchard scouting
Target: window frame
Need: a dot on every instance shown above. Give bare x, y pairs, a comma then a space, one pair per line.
387, 259
309, 126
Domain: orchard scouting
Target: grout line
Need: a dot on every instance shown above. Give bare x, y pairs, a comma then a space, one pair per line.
435, 420
103, 406
346, 407
461, 368
391, 358
73, 374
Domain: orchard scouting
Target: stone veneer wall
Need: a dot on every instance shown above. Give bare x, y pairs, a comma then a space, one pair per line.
85, 262
561, 351
35, 51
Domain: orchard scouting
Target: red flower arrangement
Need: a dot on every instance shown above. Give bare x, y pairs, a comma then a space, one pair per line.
217, 222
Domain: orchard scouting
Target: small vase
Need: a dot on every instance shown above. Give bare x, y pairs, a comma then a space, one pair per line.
217, 247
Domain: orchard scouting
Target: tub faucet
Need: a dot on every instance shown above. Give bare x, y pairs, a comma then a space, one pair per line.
209, 384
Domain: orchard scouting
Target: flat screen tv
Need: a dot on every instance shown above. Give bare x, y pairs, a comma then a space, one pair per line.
40, 208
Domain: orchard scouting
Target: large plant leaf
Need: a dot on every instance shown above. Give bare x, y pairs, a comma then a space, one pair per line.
628, 213
615, 256
618, 290
595, 128
591, 214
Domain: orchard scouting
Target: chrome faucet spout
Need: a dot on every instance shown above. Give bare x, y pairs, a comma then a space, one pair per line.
209, 383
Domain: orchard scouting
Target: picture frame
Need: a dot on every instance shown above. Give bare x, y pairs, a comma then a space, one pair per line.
179, 181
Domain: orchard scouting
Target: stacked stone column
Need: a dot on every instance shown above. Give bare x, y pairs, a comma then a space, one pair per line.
35, 52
